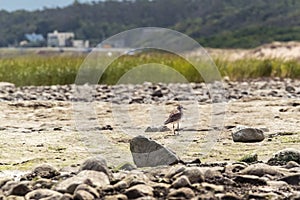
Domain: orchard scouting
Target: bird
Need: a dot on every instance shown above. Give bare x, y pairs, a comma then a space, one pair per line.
174, 117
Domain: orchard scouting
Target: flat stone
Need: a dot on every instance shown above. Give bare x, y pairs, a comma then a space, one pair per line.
251, 179
96, 178
194, 174
248, 135
148, 153
117, 196
293, 179
88, 189
262, 169
181, 181
184, 192
19, 189
139, 191
43, 193
83, 195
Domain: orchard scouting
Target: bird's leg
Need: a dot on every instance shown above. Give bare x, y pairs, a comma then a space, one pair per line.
178, 128
173, 129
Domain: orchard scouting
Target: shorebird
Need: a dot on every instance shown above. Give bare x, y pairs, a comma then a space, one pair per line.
175, 117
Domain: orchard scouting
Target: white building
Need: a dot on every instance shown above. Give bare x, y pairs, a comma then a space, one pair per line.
63, 39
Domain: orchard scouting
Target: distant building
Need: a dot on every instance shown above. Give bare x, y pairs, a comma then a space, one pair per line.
81, 43
33, 40
60, 39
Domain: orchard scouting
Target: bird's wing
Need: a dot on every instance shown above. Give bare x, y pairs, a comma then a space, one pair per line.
173, 117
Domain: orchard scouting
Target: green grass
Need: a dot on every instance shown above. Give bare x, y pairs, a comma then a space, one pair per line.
33, 69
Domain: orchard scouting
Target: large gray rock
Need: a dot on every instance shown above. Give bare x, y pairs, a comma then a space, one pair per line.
282, 157
148, 153
248, 135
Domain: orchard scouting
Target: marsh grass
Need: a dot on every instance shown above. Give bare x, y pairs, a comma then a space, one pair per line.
33, 69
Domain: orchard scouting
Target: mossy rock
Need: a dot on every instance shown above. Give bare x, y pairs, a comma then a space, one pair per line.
284, 156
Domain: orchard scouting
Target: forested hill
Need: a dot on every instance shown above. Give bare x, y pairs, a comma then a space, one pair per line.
214, 23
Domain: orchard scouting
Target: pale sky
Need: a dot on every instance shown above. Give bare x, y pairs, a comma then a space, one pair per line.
12, 5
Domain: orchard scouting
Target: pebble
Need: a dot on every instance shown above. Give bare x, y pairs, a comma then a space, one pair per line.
150, 93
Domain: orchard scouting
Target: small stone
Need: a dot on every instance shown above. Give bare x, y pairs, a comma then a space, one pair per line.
228, 196
292, 164
13, 197
160, 190
262, 169
88, 189
139, 191
293, 179
97, 164
213, 187
19, 189
184, 192
3, 181
148, 153
290, 89
194, 174
248, 135
83, 195
66, 196
44, 171
43, 193
250, 158
252, 179
117, 196
96, 178
181, 181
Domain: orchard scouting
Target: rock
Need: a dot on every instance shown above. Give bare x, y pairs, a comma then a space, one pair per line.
137, 191
43, 183
181, 193
117, 196
194, 174
121, 185
19, 189
213, 187
251, 179
181, 181
89, 177
228, 196
66, 196
3, 181
148, 153
157, 129
248, 135
262, 169
13, 197
290, 89
250, 158
284, 156
291, 164
88, 189
269, 195
83, 195
43, 171
293, 179
160, 190
97, 164
157, 93
43, 193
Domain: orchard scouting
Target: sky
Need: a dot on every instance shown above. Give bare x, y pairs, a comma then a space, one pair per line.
30, 5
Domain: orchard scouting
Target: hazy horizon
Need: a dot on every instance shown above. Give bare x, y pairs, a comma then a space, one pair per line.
31, 5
